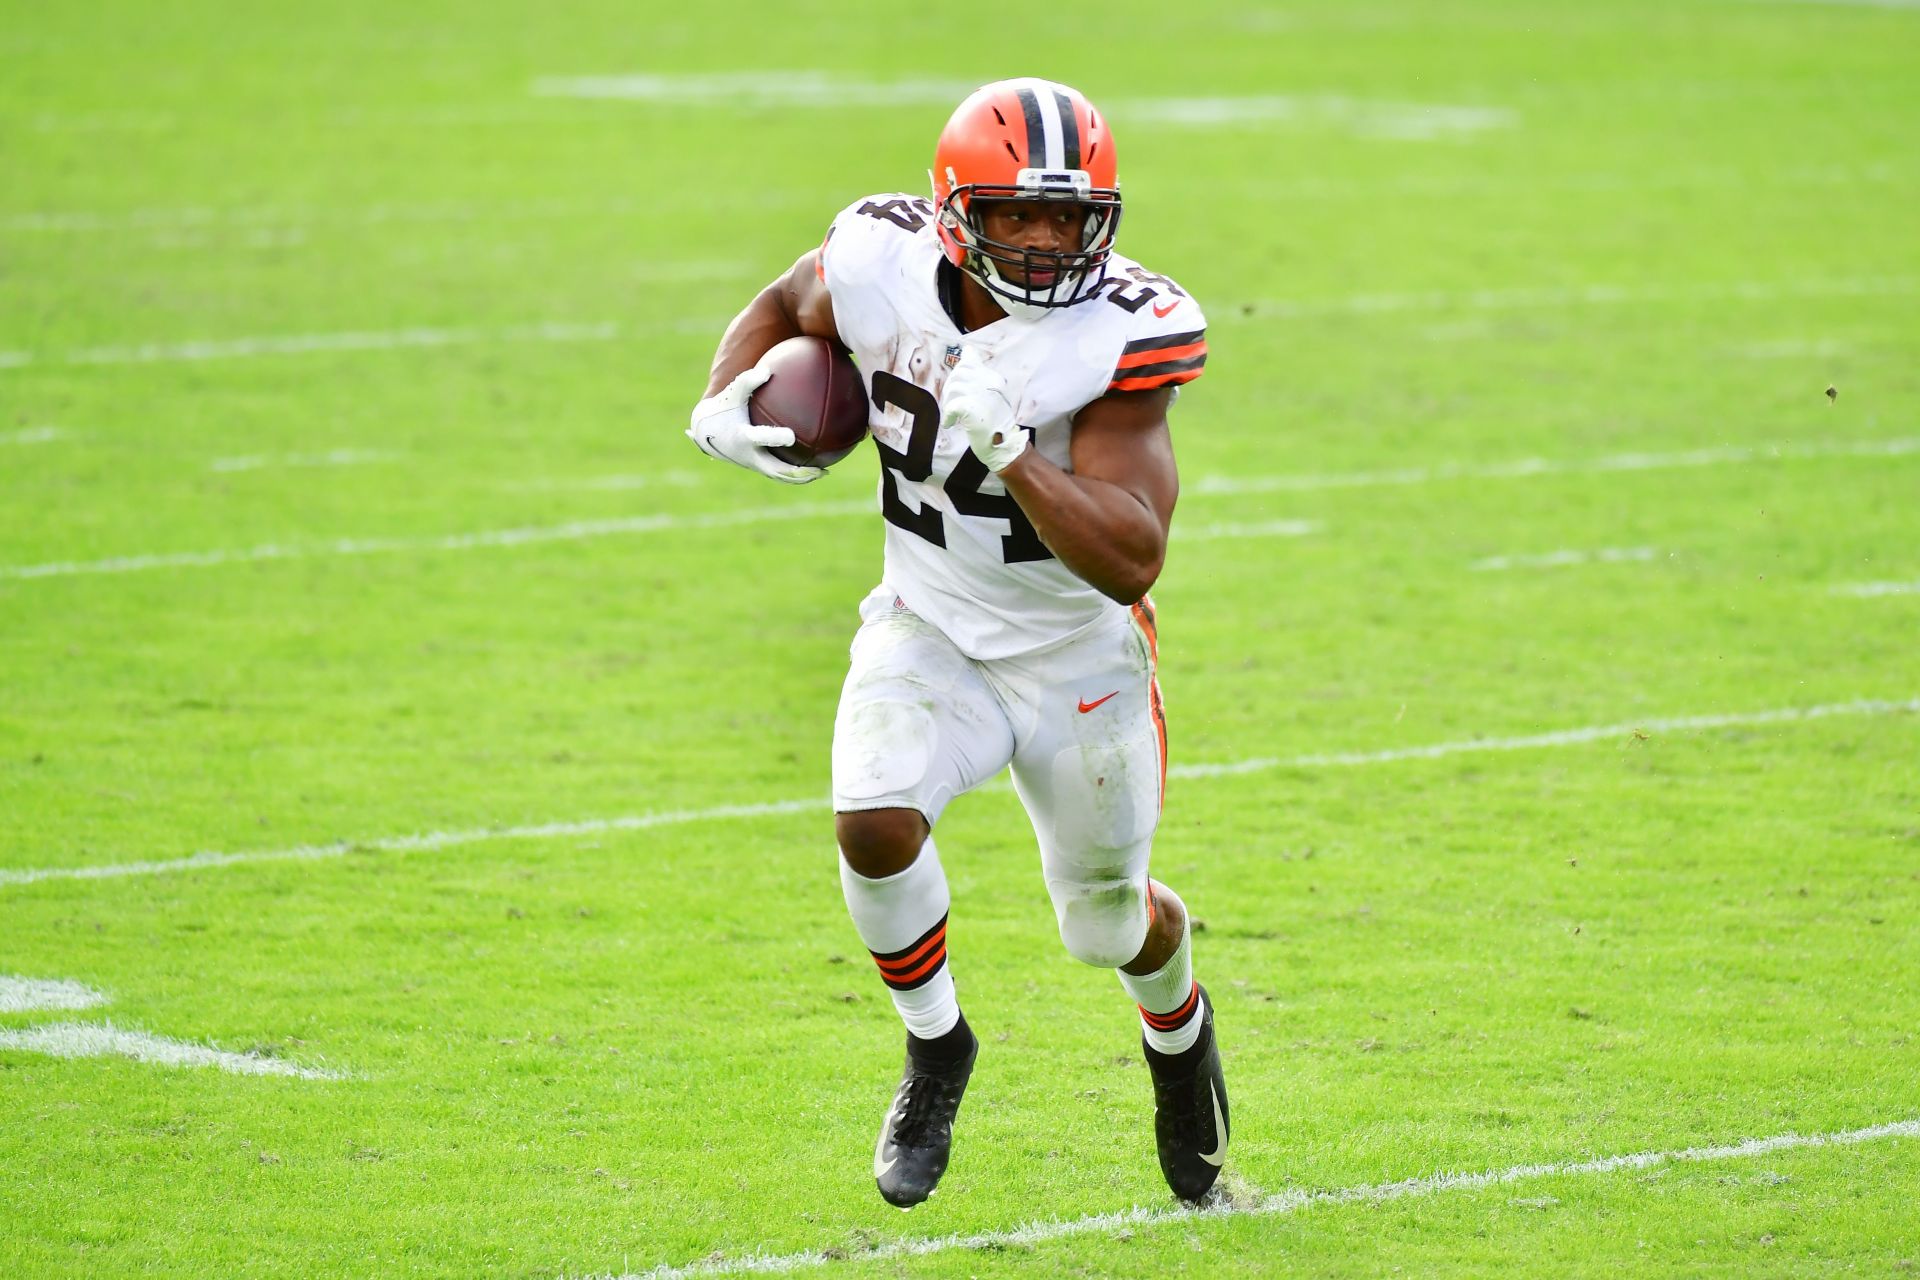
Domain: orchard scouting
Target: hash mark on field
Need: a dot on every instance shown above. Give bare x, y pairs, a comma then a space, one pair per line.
27, 995
1524, 468
642, 821
1285, 1202
32, 435
1557, 559
104, 1040
329, 458
1871, 589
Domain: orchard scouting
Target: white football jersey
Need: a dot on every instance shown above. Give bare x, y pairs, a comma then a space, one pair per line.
959, 551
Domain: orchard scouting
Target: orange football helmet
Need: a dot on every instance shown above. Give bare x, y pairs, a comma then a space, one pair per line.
1027, 140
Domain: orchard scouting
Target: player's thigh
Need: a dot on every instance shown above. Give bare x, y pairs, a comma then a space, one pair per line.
917, 723
1089, 771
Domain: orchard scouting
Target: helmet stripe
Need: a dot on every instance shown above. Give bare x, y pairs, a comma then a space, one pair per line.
1036, 129
1070, 132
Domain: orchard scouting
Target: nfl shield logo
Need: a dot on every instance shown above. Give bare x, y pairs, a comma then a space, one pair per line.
953, 356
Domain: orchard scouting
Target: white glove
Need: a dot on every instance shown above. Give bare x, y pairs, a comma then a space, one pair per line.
722, 429
976, 400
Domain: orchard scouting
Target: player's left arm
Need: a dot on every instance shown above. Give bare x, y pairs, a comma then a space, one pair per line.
1106, 519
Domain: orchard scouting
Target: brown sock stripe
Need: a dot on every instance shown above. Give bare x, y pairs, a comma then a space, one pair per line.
915, 964
1178, 1018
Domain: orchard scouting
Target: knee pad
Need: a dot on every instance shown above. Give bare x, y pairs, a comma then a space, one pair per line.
881, 751
1103, 923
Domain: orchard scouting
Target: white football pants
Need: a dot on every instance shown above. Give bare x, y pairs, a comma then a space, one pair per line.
1081, 725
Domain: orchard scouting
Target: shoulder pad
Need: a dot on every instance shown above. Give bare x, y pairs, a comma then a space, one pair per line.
869, 229
1166, 341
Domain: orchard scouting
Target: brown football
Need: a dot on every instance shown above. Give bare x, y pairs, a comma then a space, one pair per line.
817, 393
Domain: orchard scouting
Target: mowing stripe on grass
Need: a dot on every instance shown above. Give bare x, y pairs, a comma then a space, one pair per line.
27, 995
104, 1040
1523, 468
1285, 1202
1870, 589
1557, 559
641, 821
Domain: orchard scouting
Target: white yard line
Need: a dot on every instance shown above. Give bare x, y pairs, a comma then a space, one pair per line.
28, 995
104, 1040
298, 344
1624, 732
31, 435
1253, 529
415, 843
300, 220
573, 531
1871, 589
1592, 295
1793, 349
1205, 486
616, 483
1282, 1203
1524, 468
1558, 559
327, 458
831, 90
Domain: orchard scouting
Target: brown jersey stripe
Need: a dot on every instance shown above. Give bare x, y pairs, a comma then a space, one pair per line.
1169, 365
1163, 341
1131, 383
1146, 359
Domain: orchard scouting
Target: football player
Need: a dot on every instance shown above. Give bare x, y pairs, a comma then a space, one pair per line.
1020, 371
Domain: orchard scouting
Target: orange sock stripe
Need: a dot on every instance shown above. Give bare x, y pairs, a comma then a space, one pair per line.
895, 964
1178, 1018
933, 962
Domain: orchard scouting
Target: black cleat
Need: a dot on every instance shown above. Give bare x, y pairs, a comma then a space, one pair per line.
917, 1134
1190, 1111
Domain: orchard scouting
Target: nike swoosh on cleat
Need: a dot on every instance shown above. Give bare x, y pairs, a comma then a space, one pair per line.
1086, 706
1219, 1152
880, 1166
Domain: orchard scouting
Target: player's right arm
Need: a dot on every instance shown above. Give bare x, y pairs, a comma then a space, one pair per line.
796, 304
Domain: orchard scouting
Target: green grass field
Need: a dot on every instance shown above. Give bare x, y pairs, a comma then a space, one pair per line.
389, 693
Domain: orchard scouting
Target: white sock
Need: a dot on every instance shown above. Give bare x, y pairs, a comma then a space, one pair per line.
902, 919
1172, 1009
